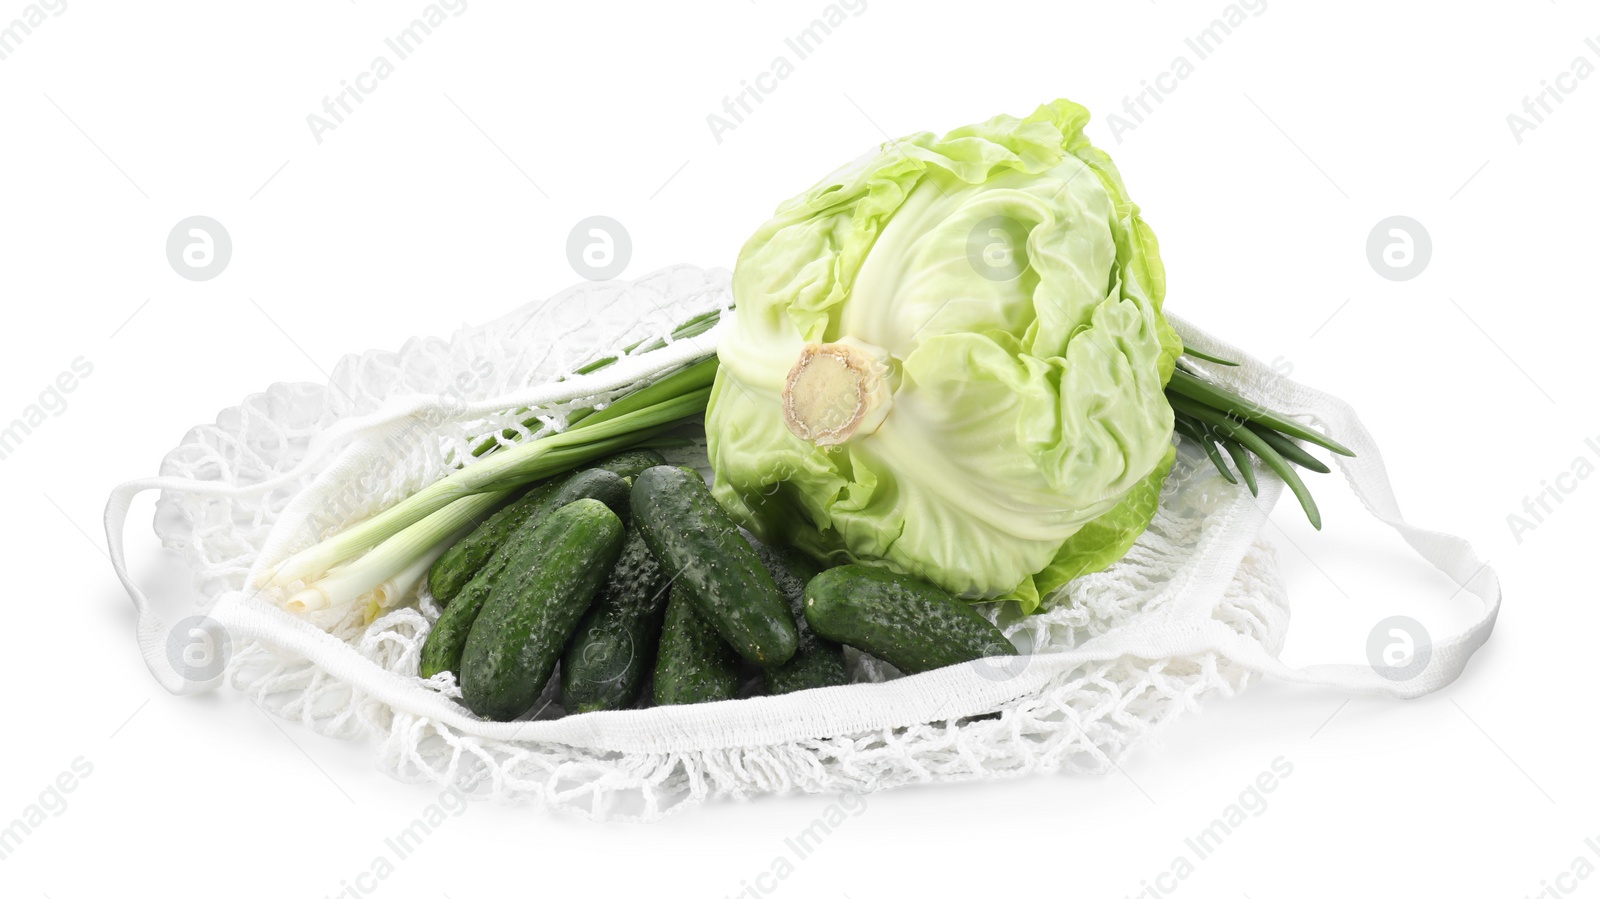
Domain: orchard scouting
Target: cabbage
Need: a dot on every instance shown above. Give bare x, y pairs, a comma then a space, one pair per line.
948, 359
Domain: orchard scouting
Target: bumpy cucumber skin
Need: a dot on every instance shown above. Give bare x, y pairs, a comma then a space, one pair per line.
693, 664
615, 645
516, 642
817, 661
461, 562
909, 623
694, 540
467, 557
442, 650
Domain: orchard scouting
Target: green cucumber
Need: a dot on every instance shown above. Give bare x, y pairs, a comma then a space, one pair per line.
468, 556
697, 544
595, 483
693, 664
516, 642
630, 463
462, 561
441, 651
907, 622
606, 662
817, 661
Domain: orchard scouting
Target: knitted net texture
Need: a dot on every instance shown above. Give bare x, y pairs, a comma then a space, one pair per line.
1083, 719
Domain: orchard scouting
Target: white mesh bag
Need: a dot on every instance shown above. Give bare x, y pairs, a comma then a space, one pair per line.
1194, 609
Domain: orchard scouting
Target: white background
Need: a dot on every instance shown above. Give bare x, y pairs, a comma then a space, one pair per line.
447, 197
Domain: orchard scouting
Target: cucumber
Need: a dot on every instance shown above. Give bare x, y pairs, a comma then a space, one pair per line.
515, 643
817, 661
441, 651
468, 556
630, 463
606, 661
692, 664
596, 483
462, 561
909, 623
696, 543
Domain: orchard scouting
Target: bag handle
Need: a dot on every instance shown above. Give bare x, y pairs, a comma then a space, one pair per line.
1432, 664
152, 630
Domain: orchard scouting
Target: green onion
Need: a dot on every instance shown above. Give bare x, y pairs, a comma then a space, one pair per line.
646, 413
388, 594
1253, 442
1230, 403
1197, 432
1212, 415
394, 556
691, 328
1207, 357
1290, 450
1241, 461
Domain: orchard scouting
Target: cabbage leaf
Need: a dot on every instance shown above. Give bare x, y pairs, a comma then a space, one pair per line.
991, 416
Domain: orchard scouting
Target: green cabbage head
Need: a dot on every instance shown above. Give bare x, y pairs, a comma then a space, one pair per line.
948, 359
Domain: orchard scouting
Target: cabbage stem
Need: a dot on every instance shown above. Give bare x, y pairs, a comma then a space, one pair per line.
835, 391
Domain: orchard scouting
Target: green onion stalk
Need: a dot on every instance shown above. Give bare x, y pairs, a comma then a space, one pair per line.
384, 552
1213, 416
386, 556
